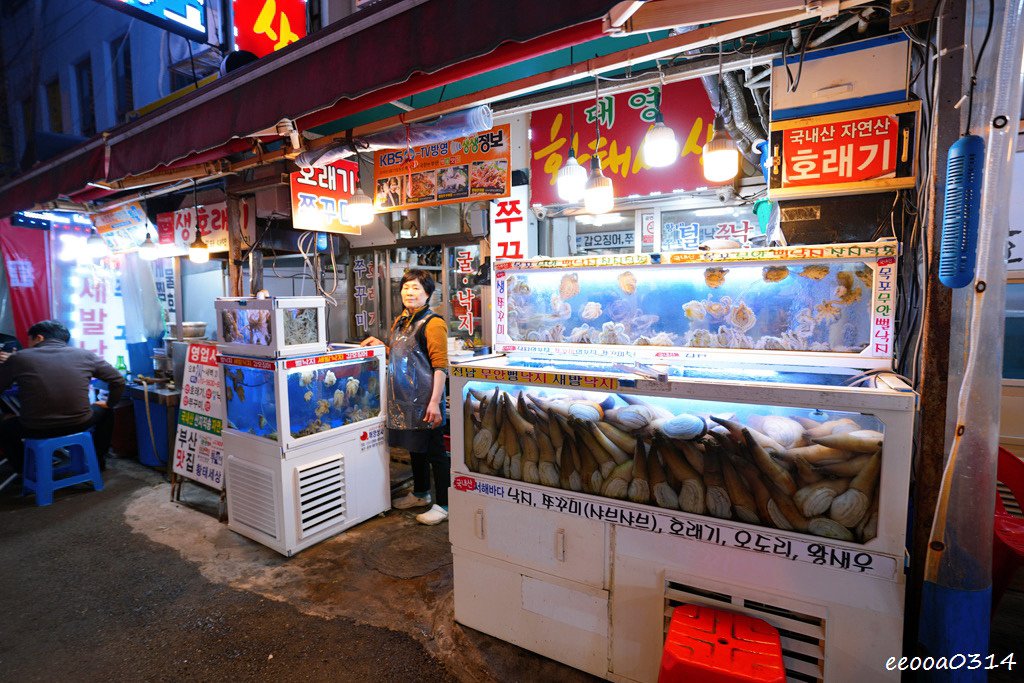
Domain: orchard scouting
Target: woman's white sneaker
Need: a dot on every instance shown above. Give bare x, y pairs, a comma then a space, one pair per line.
435, 515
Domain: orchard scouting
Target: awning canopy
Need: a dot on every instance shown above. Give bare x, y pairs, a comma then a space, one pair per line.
422, 43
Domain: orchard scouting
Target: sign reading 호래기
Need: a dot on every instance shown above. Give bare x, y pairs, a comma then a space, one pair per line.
465, 169
866, 150
198, 445
320, 197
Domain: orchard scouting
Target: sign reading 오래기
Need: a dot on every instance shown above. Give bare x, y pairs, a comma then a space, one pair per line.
465, 169
866, 150
198, 445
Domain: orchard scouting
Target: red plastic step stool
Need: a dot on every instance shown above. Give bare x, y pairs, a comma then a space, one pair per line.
716, 646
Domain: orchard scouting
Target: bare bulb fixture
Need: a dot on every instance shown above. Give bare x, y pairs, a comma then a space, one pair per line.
599, 195
720, 155
199, 252
360, 208
148, 250
95, 246
571, 180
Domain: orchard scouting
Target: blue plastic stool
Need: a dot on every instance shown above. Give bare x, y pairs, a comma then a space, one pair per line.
40, 476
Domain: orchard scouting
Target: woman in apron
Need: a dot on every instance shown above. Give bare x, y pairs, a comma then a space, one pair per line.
417, 368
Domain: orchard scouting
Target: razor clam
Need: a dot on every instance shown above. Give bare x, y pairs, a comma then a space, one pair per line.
735, 428
776, 473
692, 494
823, 526
816, 454
616, 435
547, 460
783, 430
743, 503
634, 401
631, 418
781, 507
618, 454
860, 441
586, 441
847, 468
694, 455
569, 473
850, 507
716, 496
664, 495
639, 487
617, 483
752, 476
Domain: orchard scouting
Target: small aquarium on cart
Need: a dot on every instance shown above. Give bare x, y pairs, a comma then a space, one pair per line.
294, 401
704, 427
271, 327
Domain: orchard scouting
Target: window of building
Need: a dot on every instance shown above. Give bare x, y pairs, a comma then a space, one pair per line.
54, 107
121, 69
86, 104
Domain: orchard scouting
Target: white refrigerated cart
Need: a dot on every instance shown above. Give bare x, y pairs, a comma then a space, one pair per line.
589, 580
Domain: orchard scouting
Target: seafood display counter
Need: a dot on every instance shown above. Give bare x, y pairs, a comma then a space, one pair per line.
273, 327
304, 445
601, 483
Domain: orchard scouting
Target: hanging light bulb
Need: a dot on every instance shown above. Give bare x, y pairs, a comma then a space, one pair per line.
571, 179
720, 154
360, 208
199, 252
599, 195
660, 146
148, 250
95, 246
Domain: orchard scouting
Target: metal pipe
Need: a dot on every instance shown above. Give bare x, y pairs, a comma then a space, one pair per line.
738, 103
842, 26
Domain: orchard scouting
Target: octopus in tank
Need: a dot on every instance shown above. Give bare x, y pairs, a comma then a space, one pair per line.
569, 286
228, 393
663, 339
308, 396
774, 273
742, 317
770, 344
351, 387
556, 332
240, 393
518, 286
613, 333
322, 406
259, 326
642, 340
306, 378
865, 275
330, 378
699, 338
805, 322
714, 277
339, 399
694, 310
581, 334
627, 282
827, 312
261, 420
230, 326
718, 310
560, 310
850, 297
814, 272
591, 311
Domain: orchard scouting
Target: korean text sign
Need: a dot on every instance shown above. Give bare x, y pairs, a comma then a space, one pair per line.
465, 169
263, 26
867, 150
320, 197
624, 119
123, 228
510, 225
198, 445
179, 227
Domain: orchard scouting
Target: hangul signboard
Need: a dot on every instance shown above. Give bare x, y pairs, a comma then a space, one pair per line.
462, 170
320, 197
265, 26
509, 225
624, 119
364, 293
865, 150
198, 445
123, 228
179, 227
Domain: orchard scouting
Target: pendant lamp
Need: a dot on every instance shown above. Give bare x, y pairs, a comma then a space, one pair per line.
360, 208
199, 252
148, 250
599, 194
572, 178
720, 156
660, 146
95, 246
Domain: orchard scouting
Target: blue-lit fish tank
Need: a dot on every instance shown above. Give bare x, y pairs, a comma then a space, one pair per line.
300, 400
272, 327
825, 301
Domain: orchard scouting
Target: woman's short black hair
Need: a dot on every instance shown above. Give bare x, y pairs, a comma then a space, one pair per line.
50, 329
421, 276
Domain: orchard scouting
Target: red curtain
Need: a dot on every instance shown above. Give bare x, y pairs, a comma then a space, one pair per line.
28, 275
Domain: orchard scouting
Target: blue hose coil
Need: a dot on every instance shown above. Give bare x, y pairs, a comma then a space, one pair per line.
961, 212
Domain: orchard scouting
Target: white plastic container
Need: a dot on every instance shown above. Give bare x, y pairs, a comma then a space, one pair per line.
272, 327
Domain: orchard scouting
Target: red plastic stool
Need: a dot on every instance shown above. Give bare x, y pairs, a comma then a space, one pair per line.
715, 646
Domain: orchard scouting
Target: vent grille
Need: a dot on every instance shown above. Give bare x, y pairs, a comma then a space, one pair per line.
253, 500
802, 635
321, 494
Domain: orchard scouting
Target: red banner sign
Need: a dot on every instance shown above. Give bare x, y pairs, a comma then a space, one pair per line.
320, 197
263, 26
625, 119
461, 170
867, 150
28, 277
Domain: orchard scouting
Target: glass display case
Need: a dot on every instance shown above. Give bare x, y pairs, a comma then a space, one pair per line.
271, 327
831, 303
301, 400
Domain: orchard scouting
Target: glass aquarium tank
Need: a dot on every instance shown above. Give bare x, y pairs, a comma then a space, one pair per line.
797, 469
292, 401
324, 397
272, 327
824, 300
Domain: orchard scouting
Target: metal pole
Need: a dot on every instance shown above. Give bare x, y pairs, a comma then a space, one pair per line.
234, 246
935, 331
179, 298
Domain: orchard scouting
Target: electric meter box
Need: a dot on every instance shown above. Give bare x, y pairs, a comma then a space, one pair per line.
862, 74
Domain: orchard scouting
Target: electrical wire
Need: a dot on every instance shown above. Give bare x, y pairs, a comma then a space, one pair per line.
976, 61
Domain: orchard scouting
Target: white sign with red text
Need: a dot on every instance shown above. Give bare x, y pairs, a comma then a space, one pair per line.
510, 225
198, 445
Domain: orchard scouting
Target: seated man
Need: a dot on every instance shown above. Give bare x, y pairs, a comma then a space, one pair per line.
53, 389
